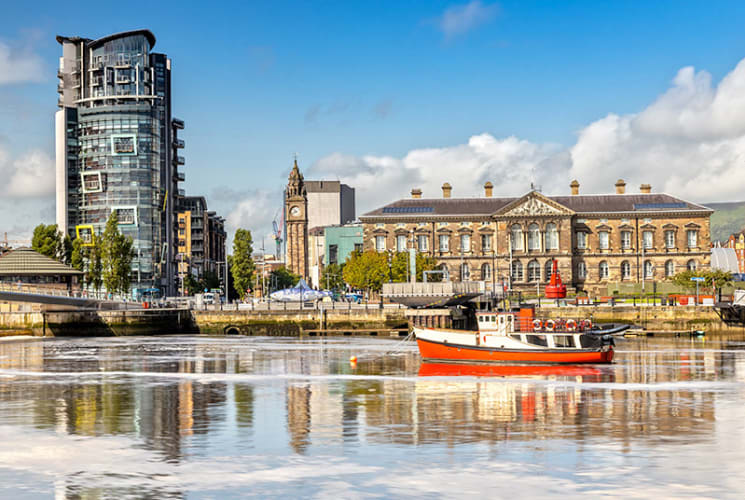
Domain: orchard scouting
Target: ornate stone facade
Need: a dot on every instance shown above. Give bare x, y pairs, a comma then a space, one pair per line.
296, 213
596, 239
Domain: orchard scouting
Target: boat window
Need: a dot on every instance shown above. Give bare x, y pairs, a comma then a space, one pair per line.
515, 336
481, 319
536, 340
492, 319
501, 320
563, 341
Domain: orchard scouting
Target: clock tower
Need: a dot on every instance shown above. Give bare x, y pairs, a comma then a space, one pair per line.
296, 215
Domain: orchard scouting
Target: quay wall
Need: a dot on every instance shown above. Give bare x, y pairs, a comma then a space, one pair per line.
293, 323
654, 318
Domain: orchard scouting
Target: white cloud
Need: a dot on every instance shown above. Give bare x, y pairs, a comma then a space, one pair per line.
29, 176
18, 66
255, 211
689, 142
460, 19
510, 164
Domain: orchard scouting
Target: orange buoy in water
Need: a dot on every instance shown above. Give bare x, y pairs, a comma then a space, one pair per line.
353, 359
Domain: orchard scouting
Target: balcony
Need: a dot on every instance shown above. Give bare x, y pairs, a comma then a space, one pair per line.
179, 143
177, 123
181, 193
179, 160
180, 176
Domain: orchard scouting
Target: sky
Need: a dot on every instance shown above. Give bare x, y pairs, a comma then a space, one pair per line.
389, 95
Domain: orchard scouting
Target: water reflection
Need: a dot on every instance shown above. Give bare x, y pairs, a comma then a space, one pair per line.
181, 399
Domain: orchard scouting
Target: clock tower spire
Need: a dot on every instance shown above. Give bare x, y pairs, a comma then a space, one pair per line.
296, 210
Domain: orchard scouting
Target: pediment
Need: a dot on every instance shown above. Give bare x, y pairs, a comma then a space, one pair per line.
533, 204
692, 225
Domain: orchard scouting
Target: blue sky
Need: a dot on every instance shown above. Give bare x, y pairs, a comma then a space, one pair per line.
358, 87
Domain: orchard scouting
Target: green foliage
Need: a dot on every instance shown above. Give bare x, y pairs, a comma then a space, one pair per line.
210, 280
282, 278
65, 250
367, 271
713, 279
400, 267
191, 285
47, 240
243, 266
77, 255
116, 256
332, 277
232, 292
94, 272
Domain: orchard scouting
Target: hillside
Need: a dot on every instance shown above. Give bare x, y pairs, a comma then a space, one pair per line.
727, 218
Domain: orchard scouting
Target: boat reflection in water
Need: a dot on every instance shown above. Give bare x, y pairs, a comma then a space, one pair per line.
520, 371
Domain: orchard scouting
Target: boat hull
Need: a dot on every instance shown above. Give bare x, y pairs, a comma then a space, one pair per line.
441, 351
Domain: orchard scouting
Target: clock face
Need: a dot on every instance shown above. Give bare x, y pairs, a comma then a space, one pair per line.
295, 211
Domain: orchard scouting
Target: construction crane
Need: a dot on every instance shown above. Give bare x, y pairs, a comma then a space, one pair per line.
277, 233
17, 243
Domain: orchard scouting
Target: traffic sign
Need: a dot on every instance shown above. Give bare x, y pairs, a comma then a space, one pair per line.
698, 278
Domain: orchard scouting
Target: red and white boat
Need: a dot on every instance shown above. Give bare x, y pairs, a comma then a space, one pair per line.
519, 338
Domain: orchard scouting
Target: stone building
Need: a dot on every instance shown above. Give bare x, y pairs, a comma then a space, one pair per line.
511, 242
737, 242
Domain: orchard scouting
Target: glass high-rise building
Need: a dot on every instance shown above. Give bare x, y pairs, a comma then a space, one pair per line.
117, 148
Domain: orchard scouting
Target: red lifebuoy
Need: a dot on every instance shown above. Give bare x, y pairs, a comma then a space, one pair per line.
571, 325
537, 325
549, 325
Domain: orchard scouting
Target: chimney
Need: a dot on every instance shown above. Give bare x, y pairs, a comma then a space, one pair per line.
645, 189
416, 193
620, 186
488, 187
575, 187
446, 190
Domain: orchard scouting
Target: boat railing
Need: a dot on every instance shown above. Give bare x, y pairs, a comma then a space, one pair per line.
558, 326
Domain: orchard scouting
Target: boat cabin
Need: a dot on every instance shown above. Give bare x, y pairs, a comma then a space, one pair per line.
496, 325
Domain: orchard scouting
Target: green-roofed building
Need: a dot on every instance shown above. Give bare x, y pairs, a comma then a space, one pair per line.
25, 266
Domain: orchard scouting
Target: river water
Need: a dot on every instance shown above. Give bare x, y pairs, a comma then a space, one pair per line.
212, 417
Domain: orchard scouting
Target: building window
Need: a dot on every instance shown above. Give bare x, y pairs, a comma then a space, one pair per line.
333, 253
486, 243
691, 265
625, 270
465, 243
445, 271
626, 240
358, 247
581, 240
465, 273
422, 242
444, 243
534, 271
648, 269
516, 237
552, 237
692, 238
517, 270
380, 243
401, 243
534, 237
549, 268
669, 239
603, 270
486, 272
669, 269
647, 239
603, 240
581, 270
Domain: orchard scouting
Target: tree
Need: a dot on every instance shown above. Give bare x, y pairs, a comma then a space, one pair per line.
333, 277
367, 271
282, 278
400, 267
191, 285
64, 253
46, 240
94, 272
243, 266
210, 280
77, 255
712, 279
116, 256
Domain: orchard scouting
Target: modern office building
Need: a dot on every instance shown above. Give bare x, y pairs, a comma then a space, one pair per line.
116, 148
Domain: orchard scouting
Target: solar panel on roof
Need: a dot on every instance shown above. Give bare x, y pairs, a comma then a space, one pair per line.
658, 206
407, 210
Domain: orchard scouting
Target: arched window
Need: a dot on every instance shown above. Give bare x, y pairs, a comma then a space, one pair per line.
625, 270
669, 269
581, 271
534, 237
517, 270
691, 265
486, 272
603, 270
548, 269
465, 272
648, 269
534, 271
516, 237
552, 237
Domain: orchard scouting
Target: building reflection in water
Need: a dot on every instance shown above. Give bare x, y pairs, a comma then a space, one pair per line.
645, 394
